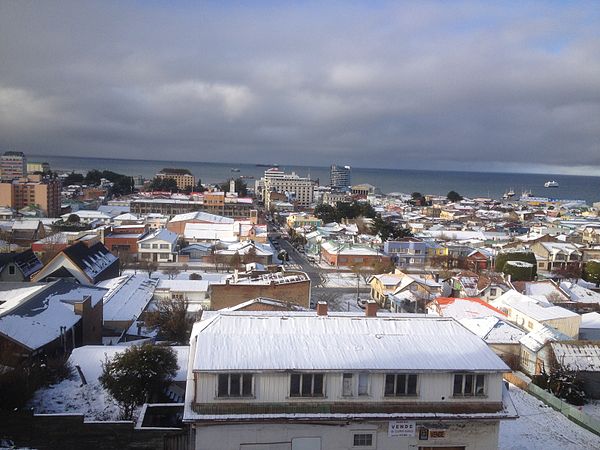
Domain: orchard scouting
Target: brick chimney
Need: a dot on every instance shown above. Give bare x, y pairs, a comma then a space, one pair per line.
321, 308
371, 309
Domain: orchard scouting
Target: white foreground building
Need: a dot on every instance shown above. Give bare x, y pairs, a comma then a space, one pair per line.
317, 381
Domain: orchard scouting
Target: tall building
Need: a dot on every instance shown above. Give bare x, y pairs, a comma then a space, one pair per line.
13, 165
33, 190
298, 190
182, 177
339, 177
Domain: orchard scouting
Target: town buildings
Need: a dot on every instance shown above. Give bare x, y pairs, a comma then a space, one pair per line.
319, 380
298, 190
183, 177
33, 190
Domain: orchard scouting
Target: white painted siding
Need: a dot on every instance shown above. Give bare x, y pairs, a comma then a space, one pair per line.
275, 387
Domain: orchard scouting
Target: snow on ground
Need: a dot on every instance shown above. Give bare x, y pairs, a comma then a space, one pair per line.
541, 427
592, 409
346, 303
342, 280
206, 276
70, 396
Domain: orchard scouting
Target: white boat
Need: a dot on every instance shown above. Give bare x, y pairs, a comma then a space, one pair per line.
551, 184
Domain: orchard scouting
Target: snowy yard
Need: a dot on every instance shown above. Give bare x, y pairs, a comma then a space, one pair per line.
342, 280
541, 427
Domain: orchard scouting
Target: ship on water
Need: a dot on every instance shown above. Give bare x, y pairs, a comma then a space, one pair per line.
509, 194
551, 184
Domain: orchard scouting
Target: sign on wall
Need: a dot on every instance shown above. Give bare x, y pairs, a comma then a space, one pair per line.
402, 428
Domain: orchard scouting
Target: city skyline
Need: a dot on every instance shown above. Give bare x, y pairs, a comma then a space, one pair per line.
467, 86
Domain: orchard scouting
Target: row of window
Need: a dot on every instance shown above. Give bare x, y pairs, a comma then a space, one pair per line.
161, 246
353, 384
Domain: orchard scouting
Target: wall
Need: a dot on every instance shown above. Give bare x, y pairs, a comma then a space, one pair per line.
339, 436
227, 295
274, 387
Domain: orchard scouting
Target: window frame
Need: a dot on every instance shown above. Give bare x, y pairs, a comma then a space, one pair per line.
363, 433
242, 376
397, 377
474, 391
302, 384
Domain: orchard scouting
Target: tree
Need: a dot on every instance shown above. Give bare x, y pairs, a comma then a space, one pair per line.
125, 261
526, 256
73, 178
133, 376
235, 260
171, 272
195, 276
73, 218
250, 256
148, 266
326, 213
570, 271
172, 320
454, 196
163, 184
591, 273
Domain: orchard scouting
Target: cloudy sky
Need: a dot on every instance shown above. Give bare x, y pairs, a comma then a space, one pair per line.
460, 85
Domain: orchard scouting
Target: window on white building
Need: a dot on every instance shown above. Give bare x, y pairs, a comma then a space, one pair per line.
306, 385
347, 384
362, 440
469, 384
400, 384
363, 384
235, 385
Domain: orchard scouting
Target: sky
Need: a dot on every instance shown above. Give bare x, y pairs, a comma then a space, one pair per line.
461, 85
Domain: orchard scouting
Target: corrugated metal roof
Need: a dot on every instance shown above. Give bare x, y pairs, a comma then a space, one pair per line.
281, 341
578, 356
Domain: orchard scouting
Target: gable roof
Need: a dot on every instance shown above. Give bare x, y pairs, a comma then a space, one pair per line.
462, 308
91, 260
275, 341
38, 319
26, 261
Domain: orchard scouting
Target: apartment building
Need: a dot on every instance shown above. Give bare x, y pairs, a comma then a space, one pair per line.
298, 190
33, 190
13, 165
339, 177
183, 177
316, 380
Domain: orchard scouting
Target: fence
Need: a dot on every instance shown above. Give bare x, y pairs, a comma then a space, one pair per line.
571, 412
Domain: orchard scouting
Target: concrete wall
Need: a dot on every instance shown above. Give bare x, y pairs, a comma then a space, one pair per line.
472, 435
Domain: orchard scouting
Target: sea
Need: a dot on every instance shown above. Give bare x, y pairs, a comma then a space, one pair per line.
469, 184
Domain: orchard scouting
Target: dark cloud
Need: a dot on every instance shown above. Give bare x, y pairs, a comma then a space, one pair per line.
417, 84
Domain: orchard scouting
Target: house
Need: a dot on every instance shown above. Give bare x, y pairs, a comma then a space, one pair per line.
303, 220
179, 222
478, 260
194, 292
349, 254
196, 252
583, 359
289, 287
317, 380
384, 284
413, 293
121, 240
533, 313
86, 265
247, 251
590, 327
126, 299
536, 352
18, 266
499, 334
590, 235
158, 246
463, 308
25, 232
407, 252
556, 255
48, 318
464, 284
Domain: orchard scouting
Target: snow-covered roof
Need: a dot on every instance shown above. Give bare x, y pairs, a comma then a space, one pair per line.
579, 293
493, 330
579, 356
531, 307
276, 341
161, 235
91, 357
535, 340
590, 320
183, 285
127, 296
209, 231
462, 308
202, 216
37, 321
13, 294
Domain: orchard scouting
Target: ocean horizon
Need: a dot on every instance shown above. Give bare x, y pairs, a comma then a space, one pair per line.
439, 182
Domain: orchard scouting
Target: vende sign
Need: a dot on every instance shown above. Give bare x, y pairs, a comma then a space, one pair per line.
402, 428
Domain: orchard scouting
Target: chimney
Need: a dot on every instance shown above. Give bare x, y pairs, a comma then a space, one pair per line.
321, 308
371, 309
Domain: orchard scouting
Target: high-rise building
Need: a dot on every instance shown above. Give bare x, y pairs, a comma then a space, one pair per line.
298, 190
339, 177
13, 165
32, 191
